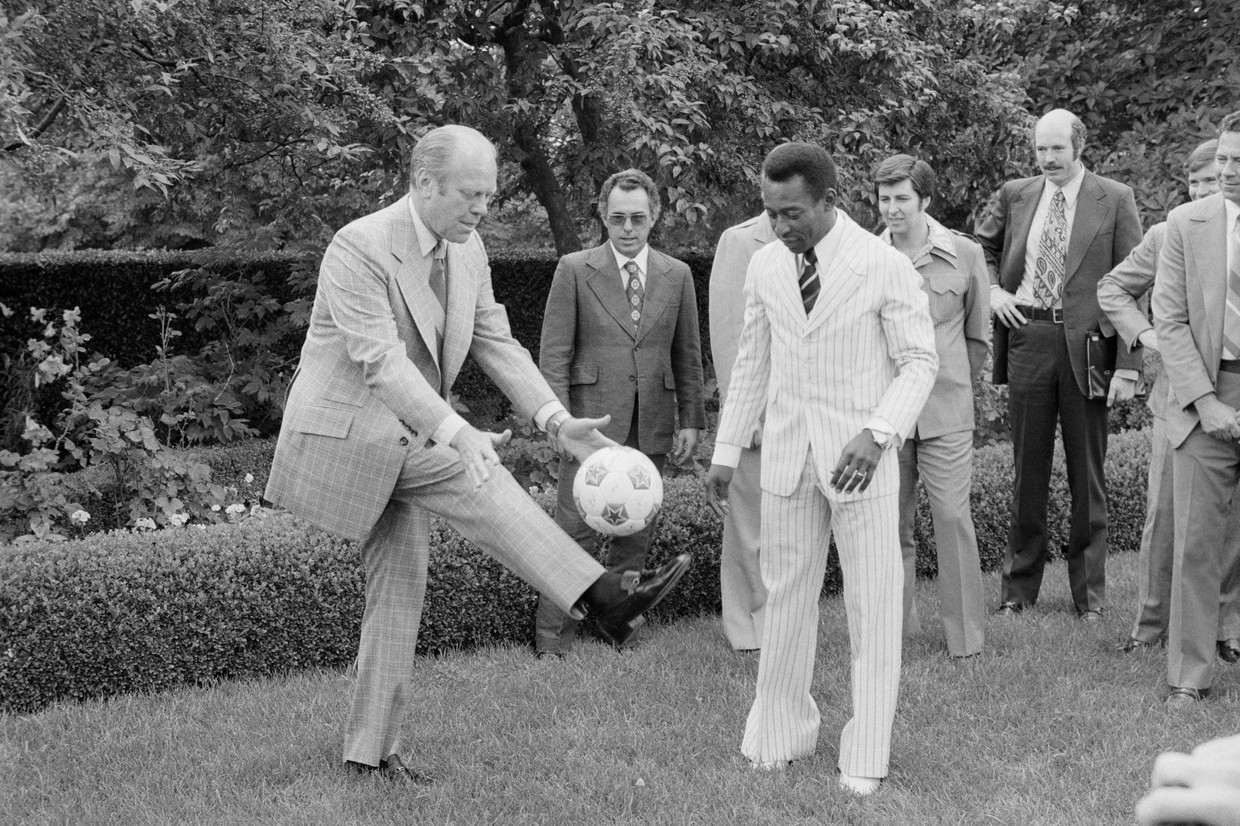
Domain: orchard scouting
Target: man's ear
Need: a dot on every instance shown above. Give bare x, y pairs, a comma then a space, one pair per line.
420, 180
829, 198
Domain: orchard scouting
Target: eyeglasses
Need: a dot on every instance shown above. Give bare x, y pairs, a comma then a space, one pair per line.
618, 219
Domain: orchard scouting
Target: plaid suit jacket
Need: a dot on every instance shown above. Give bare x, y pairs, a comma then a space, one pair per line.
372, 387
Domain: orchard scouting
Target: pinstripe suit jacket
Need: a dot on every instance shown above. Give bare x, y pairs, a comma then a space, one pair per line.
372, 387
866, 350
597, 365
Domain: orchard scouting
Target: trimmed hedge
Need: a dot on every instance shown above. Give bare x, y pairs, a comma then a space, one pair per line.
125, 612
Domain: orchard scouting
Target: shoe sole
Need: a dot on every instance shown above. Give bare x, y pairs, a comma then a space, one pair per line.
638, 621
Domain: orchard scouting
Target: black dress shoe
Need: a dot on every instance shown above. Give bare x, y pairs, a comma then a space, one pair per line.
392, 769
1009, 609
1229, 650
1183, 696
618, 608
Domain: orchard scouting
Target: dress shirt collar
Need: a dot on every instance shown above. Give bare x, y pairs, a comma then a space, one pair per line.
939, 240
1070, 190
827, 246
641, 258
1232, 211
426, 239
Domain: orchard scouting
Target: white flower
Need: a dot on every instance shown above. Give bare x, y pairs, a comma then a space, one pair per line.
144, 524
79, 516
178, 519
249, 478
215, 508
235, 508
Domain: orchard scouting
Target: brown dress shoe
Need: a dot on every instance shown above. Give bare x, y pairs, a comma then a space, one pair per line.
1133, 644
1229, 650
1009, 609
393, 770
618, 609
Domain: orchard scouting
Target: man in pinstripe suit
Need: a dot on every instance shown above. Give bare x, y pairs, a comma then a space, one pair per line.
370, 447
838, 352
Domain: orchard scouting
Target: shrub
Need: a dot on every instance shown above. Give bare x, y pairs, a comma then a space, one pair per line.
123, 611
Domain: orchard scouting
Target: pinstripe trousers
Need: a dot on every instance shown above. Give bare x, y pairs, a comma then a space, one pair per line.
502, 520
784, 720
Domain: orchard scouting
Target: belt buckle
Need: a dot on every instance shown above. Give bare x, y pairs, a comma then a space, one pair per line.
1056, 314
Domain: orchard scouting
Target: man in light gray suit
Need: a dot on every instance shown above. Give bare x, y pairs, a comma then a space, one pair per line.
837, 354
740, 579
1197, 323
370, 447
1119, 294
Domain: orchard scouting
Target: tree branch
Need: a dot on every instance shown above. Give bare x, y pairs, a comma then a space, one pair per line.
41, 127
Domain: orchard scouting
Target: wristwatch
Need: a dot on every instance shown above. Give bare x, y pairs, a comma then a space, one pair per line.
883, 440
556, 421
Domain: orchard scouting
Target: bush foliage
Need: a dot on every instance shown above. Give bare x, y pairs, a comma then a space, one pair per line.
127, 611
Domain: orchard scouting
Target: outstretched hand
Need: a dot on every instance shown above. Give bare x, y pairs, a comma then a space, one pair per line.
477, 451
581, 437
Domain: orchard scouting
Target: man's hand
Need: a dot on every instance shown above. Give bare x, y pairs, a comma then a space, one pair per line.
717, 480
1121, 390
1202, 788
581, 437
685, 446
477, 451
1218, 419
1148, 339
1003, 305
857, 464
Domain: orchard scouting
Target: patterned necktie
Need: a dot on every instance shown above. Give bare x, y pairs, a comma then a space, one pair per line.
809, 281
635, 291
1052, 249
1231, 319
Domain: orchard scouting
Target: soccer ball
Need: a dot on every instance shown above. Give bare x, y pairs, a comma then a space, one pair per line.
618, 491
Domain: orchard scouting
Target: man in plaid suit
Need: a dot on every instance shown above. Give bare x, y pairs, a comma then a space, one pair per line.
370, 446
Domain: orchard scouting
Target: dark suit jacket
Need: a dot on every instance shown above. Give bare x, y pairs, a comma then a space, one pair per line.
598, 366
1105, 229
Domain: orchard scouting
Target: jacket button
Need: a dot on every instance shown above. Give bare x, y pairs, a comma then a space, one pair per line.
633, 379
404, 441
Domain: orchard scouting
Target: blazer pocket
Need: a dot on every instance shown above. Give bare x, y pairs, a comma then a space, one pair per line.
323, 421
583, 374
946, 294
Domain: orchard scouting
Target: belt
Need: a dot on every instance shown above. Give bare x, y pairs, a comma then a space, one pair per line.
1229, 366
1054, 314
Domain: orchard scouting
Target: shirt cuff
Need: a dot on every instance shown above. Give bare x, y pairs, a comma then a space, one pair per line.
1127, 373
1136, 340
546, 412
448, 428
726, 455
880, 425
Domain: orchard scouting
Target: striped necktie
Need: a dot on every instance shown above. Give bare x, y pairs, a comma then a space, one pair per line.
1231, 319
809, 280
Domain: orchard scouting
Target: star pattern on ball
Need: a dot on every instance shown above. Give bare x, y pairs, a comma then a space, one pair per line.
595, 475
615, 515
640, 478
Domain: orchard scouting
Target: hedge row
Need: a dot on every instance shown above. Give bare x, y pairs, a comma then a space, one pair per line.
125, 612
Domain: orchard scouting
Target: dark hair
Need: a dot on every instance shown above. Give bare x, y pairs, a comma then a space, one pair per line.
906, 168
1230, 123
629, 180
1202, 156
811, 162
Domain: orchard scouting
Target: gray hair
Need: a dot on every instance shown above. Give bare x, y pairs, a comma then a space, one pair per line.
433, 151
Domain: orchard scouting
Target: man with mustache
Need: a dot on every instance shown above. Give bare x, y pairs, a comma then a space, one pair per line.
1048, 240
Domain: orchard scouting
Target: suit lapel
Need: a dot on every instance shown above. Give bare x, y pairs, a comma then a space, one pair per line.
413, 279
658, 292
1207, 258
1091, 208
604, 281
840, 279
1023, 208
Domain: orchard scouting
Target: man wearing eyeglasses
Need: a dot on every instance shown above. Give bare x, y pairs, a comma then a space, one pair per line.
620, 336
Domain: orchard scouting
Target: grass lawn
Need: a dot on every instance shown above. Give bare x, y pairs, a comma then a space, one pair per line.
1050, 726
